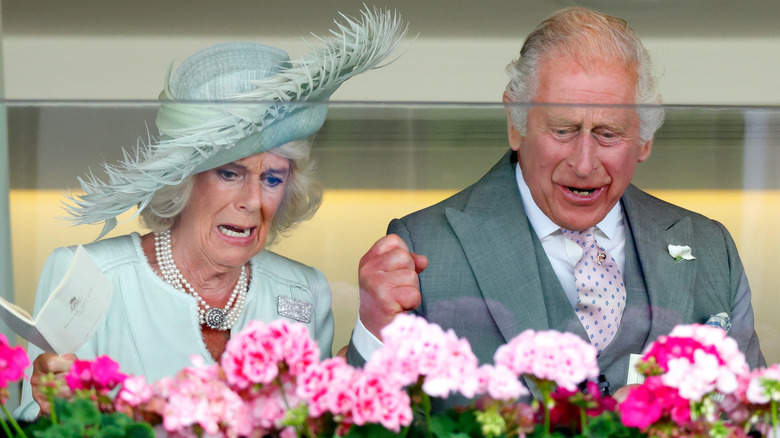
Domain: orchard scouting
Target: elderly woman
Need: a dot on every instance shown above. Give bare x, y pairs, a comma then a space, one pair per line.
222, 182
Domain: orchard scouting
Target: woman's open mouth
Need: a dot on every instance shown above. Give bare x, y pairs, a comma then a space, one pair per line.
231, 231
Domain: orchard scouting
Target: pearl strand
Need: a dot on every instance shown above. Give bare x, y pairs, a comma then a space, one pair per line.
213, 317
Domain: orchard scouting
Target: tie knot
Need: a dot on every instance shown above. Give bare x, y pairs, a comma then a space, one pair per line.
581, 238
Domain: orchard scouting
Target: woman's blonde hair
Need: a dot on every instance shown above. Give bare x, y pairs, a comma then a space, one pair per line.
302, 198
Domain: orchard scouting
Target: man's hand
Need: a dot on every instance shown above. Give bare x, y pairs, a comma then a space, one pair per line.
388, 282
43, 365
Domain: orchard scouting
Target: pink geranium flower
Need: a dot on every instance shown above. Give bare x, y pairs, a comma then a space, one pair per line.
563, 358
755, 390
190, 400
354, 396
13, 360
763, 385
268, 405
651, 402
134, 392
328, 387
381, 401
101, 374
697, 360
414, 348
501, 383
255, 355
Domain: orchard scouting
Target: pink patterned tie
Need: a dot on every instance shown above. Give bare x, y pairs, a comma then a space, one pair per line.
601, 296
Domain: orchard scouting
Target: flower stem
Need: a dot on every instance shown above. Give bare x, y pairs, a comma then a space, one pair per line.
53, 411
547, 402
774, 416
13, 423
306, 431
584, 423
281, 390
546, 388
426, 404
6, 429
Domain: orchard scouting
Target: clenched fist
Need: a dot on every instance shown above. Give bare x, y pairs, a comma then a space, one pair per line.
389, 282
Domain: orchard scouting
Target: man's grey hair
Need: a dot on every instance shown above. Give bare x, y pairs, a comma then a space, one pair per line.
302, 197
586, 36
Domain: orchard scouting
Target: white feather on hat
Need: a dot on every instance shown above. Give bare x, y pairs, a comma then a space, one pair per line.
230, 101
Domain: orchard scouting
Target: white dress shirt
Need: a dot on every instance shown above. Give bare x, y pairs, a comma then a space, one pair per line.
562, 253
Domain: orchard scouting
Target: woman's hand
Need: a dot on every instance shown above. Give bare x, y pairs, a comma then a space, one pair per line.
43, 365
621, 394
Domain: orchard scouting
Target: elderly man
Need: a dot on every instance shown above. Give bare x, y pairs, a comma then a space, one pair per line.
506, 254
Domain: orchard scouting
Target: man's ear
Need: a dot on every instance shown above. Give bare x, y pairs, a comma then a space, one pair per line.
644, 151
514, 136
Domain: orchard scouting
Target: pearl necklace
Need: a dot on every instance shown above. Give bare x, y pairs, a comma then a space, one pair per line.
213, 317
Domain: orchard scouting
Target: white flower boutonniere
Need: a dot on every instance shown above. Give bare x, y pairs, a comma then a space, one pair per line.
680, 252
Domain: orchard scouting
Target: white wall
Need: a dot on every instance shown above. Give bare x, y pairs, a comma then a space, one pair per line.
694, 71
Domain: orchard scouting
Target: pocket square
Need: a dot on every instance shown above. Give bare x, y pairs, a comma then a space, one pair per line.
720, 320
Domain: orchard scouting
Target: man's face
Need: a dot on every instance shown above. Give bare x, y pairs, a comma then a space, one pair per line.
578, 160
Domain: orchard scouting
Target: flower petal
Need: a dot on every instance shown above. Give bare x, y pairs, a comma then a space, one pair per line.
681, 252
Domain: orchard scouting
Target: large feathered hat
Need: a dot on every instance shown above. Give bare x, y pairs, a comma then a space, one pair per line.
230, 101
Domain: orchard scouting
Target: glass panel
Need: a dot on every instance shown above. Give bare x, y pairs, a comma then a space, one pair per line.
382, 161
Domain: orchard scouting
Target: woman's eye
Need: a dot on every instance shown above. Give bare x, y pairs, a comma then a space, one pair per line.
271, 180
227, 174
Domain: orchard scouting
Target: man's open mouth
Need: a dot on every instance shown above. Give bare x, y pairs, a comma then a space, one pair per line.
582, 192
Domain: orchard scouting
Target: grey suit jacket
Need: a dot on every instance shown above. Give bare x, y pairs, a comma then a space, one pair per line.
489, 279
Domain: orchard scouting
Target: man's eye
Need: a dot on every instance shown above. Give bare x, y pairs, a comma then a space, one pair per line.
563, 132
608, 137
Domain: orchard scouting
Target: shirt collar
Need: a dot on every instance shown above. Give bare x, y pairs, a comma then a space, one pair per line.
544, 226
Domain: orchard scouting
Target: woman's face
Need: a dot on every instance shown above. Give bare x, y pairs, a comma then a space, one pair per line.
227, 218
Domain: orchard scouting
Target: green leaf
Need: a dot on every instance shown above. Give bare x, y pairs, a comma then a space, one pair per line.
111, 431
370, 431
58, 431
608, 425
42, 424
296, 416
467, 423
117, 419
81, 414
80, 418
443, 427
139, 430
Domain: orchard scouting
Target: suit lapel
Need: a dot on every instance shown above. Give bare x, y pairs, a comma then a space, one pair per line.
669, 284
495, 235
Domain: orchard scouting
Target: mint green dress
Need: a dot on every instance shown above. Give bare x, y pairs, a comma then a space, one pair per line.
152, 329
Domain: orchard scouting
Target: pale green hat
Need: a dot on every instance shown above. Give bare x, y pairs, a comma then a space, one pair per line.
233, 100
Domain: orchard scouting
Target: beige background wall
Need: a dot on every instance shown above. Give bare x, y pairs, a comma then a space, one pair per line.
351, 220
736, 71
695, 69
